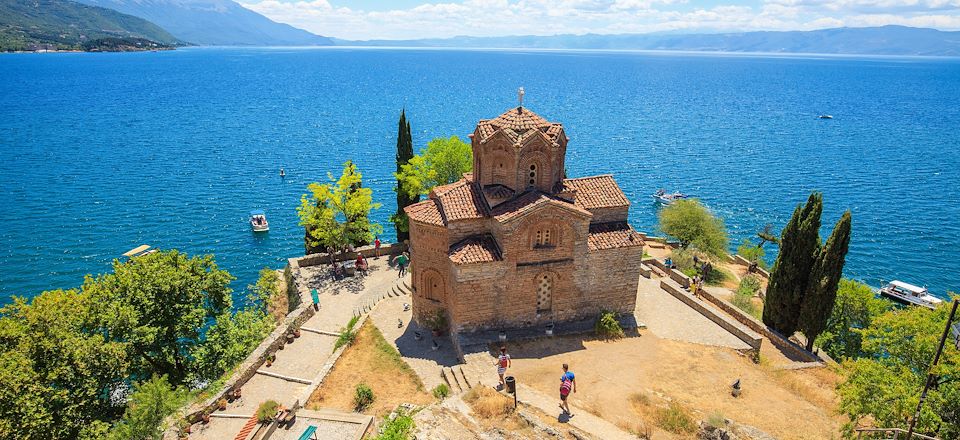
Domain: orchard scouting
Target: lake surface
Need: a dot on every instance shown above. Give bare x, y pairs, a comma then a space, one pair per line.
104, 152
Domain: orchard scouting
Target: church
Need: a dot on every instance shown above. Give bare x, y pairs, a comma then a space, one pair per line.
516, 243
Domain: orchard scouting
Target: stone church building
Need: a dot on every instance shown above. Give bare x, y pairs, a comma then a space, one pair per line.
516, 243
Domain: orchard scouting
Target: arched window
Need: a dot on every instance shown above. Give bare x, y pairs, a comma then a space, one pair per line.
544, 292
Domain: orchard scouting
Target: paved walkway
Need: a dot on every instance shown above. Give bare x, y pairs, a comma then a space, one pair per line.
669, 318
306, 356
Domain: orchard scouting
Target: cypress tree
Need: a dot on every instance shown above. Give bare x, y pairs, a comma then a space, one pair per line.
824, 279
404, 154
791, 270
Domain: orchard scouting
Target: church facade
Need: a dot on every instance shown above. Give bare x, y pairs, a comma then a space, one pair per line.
516, 243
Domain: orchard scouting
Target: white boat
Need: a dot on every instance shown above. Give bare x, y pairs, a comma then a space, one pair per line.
139, 251
909, 294
666, 198
258, 221
826, 116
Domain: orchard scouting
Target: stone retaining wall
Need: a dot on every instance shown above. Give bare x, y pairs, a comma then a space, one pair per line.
367, 251
746, 335
759, 271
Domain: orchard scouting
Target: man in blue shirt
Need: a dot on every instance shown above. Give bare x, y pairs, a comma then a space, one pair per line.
567, 384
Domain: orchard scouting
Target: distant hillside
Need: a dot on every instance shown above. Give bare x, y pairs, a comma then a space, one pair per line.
66, 25
885, 40
214, 22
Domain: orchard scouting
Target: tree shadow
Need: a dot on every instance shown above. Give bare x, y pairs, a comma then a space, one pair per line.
410, 346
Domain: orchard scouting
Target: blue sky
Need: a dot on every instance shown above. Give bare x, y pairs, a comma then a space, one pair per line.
410, 19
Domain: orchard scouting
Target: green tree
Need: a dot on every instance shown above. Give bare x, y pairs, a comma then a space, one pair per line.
856, 307
229, 340
822, 283
337, 214
443, 161
56, 370
150, 403
158, 304
695, 227
791, 269
884, 387
404, 199
753, 253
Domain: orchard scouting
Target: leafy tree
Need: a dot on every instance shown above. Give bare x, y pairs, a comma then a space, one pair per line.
791, 270
337, 214
150, 403
822, 284
753, 253
443, 161
884, 387
57, 374
855, 309
158, 305
229, 340
404, 199
695, 226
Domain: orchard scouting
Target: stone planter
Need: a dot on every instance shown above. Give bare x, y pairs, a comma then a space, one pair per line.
503, 336
549, 330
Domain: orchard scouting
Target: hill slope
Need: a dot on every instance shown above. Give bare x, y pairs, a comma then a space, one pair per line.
214, 22
885, 40
63, 24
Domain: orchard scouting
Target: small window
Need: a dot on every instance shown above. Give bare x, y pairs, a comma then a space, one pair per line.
543, 238
533, 167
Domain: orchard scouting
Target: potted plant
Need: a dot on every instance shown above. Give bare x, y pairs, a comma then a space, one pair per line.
296, 332
222, 404
267, 411
290, 337
205, 417
503, 336
549, 329
437, 323
184, 428
280, 347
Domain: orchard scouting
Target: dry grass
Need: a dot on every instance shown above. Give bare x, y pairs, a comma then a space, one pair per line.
675, 418
374, 362
487, 403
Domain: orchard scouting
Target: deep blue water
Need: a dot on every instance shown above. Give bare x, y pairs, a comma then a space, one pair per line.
103, 152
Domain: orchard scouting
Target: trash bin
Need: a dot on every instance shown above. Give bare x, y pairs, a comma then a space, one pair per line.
511, 384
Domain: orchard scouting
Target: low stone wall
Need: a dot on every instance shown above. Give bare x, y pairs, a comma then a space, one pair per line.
646, 271
743, 261
746, 335
756, 325
680, 277
367, 252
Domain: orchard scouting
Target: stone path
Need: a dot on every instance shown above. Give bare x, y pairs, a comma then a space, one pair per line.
669, 318
304, 359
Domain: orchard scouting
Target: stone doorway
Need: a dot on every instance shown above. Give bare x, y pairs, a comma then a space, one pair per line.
544, 293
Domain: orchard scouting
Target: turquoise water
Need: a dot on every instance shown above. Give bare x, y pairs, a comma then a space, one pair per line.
103, 152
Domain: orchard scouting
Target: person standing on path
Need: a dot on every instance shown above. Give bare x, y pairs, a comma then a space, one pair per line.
503, 362
376, 248
567, 384
402, 261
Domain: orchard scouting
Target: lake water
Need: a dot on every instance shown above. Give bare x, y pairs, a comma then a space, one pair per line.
104, 152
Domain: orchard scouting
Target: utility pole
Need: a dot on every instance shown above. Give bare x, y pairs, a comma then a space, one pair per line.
930, 376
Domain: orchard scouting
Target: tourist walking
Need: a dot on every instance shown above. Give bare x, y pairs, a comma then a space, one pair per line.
503, 362
376, 248
567, 384
402, 261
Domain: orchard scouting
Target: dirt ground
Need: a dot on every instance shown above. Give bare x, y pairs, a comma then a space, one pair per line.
787, 404
367, 360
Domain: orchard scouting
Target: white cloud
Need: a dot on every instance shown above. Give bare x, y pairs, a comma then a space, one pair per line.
549, 17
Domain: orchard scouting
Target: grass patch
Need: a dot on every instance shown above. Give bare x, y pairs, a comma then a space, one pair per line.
441, 391
717, 420
362, 397
488, 403
607, 326
676, 419
398, 428
347, 334
683, 259
743, 296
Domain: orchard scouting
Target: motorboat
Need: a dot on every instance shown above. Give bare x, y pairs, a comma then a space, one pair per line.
825, 116
139, 251
909, 294
666, 198
258, 221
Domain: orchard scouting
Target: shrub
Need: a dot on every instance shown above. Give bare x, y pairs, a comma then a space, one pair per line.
717, 420
441, 391
397, 428
743, 297
362, 397
488, 403
676, 419
347, 334
608, 326
267, 410
752, 253
683, 259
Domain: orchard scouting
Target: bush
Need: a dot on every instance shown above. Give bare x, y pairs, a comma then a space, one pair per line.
683, 259
397, 428
488, 403
608, 326
695, 227
752, 253
743, 297
441, 391
267, 410
676, 419
347, 334
362, 397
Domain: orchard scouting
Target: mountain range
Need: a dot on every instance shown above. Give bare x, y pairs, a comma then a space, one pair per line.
66, 25
884, 40
214, 22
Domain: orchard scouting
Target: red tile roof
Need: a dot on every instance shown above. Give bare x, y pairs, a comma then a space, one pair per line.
426, 211
519, 124
612, 236
476, 249
596, 192
528, 202
461, 200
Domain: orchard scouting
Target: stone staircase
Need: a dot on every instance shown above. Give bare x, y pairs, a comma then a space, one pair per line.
401, 287
456, 379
